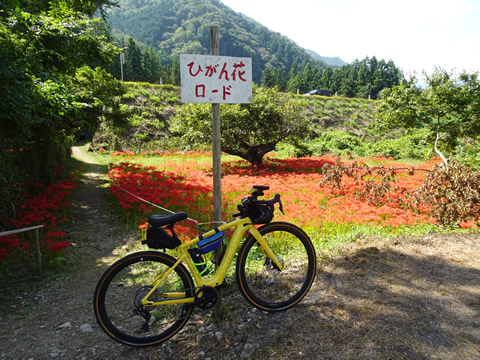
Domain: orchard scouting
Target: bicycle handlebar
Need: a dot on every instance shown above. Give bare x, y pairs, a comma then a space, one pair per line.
271, 202
257, 190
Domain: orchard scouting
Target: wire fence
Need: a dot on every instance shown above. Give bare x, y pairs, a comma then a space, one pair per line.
38, 256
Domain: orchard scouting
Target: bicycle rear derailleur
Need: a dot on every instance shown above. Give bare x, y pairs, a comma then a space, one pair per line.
142, 310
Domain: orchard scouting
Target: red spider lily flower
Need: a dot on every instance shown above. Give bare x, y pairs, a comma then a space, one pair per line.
56, 246
10, 241
186, 185
467, 224
42, 209
143, 226
51, 234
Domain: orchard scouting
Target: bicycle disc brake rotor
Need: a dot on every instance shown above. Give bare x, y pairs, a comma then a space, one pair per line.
272, 268
141, 293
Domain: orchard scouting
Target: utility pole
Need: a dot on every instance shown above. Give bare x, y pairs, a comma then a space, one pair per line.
122, 61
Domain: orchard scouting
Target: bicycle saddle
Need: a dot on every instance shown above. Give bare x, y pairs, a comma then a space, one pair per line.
161, 220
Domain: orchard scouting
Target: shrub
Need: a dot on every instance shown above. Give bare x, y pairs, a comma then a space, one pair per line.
468, 154
452, 192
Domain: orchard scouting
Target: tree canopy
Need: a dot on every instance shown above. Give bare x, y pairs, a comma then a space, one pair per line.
364, 79
47, 51
247, 130
449, 107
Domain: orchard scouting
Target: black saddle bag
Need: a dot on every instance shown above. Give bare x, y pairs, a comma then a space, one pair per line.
158, 238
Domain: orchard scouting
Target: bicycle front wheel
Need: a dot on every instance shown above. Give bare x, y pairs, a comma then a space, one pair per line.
261, 282
119, 293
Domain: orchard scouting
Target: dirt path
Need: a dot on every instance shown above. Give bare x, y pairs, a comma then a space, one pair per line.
409, 298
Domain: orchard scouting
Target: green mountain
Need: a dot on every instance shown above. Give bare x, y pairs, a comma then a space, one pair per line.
182, 26
333, 61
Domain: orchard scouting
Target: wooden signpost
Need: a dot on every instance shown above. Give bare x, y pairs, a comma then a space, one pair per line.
217, 80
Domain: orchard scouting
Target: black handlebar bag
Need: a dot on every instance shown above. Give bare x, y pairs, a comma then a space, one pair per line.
260, 214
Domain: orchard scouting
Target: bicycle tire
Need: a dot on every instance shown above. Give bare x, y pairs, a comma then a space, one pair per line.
267, 288
125, 283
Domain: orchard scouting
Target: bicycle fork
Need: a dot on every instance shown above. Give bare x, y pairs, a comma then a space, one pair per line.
272, 259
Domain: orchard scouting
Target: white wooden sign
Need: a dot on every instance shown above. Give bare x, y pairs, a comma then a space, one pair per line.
216, 79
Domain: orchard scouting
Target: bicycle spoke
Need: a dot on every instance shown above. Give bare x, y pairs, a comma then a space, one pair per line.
119, 298
262, 283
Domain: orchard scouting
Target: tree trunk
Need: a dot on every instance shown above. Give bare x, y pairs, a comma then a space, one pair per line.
255, 156
444, 159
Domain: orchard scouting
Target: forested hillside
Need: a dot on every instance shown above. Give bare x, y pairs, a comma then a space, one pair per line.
182, 26
154, 33
147, 109
332, 61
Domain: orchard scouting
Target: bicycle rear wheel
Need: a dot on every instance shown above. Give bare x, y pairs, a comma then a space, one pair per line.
260, 281
118, 296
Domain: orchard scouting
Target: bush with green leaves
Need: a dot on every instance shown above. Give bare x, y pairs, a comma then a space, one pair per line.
468, 153
415, 144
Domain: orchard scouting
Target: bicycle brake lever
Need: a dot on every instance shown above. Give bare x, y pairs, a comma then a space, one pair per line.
280, 206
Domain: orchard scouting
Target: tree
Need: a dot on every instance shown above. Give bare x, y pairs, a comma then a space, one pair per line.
248, 130
366, 78
280, 79
385, 75
305, 79
133, 70
326, 78
150, 66
175, 71
268, 79
448, 106
43, 44
41, 52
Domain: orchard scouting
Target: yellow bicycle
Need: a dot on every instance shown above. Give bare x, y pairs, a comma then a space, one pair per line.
146, 297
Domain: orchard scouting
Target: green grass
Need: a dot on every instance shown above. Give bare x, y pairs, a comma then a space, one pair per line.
175, 160
328, 236
387, 163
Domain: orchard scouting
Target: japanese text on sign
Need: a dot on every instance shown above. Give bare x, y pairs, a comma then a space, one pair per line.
216, 79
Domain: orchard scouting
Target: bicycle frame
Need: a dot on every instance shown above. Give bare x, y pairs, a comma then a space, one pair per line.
241, 226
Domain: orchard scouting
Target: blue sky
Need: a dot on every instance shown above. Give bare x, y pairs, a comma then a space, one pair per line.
416, 34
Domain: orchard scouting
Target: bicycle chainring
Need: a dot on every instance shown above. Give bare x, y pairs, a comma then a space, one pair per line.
206, 297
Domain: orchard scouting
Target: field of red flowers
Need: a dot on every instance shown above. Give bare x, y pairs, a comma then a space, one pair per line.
183, 182
42, 205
